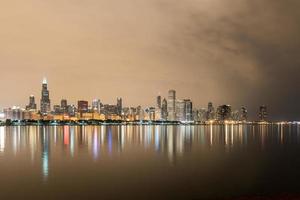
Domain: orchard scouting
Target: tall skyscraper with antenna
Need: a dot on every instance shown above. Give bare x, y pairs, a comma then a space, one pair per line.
45, 100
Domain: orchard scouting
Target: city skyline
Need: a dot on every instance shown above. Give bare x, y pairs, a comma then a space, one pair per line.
169, 109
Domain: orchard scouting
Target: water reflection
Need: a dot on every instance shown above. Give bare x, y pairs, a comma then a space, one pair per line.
108, 141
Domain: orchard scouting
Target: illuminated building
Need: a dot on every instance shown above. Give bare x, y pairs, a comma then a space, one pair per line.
158, 110
32, 104
109, 109
202, 115
164, 109
180, 112
235, 115
119, 106
184, 110
224, 112
171, 105
150, 113
210, 111
45, 100
195, 115
57, 109
188, 110
243, 114
96, 105
263, 113
82, 106
64, 105
71, 110
139, 113
158, 102
14, 113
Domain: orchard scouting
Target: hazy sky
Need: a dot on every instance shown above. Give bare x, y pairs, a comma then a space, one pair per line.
238, 52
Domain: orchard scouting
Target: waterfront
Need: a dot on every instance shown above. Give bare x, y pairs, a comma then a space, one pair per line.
155, 161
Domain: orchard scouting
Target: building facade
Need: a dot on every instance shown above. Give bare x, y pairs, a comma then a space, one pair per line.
45, 99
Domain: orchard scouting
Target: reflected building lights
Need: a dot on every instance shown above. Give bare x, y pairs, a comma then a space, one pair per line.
95, 144
2, 139
45, 153
171, 142
72, 140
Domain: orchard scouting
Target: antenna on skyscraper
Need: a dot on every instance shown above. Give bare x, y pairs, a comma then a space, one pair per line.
44, 80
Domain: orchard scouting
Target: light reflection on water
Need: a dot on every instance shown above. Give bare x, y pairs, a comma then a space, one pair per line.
48, 145
109, 140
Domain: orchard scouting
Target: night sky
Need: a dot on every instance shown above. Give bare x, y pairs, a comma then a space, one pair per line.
238, 52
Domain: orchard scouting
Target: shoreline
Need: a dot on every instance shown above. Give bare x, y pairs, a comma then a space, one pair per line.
120, 122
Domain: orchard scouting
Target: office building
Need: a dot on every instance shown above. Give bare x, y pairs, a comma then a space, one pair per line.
263, 113
45, 99
64, 105
171, 105
96, 105
83, 106
224, 112
119, 106
164, 110
32, 104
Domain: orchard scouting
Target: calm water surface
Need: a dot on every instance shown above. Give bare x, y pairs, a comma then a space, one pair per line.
149, 162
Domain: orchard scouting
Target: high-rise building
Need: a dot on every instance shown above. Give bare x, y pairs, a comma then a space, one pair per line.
263, 114
188, 109
158, 102
224, 112
32, 104
184, 110
235, 115
64, 105
180, 110
171, 105
71, 110
96, 105
243, 114
14, 113
202, 115
45, 100
196, 115
119, 106
210, 111
83, 106
150, 113
109, 109
57, 109
164, 109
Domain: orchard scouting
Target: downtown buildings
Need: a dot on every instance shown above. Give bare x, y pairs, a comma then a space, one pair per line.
165, 109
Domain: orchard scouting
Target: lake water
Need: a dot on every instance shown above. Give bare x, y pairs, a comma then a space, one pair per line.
149, 162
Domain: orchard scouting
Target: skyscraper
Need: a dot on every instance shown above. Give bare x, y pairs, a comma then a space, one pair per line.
188, 109
96, 105
180, 112
32, 104
243, 114
83, 106
210, 111
158, 102
64, 105
171, 105
119, 106
263, 114
164, 109
184, 110
45, 100
224, 112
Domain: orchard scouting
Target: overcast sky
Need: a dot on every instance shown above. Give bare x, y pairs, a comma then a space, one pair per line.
238, 52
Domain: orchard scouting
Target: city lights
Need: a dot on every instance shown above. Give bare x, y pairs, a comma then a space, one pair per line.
168, 110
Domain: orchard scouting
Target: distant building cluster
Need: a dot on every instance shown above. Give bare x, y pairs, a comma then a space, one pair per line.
165, 109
